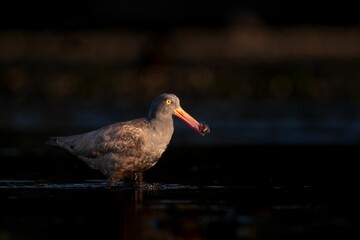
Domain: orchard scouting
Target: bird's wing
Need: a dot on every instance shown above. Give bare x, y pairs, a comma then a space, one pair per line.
119, 138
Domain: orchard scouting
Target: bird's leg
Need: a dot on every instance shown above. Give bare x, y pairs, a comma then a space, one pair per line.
138, 179
114, 178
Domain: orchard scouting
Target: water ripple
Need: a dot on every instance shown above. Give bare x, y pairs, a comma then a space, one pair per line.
93, 184
30, 184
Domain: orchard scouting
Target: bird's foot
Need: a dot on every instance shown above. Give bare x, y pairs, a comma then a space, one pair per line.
114, 179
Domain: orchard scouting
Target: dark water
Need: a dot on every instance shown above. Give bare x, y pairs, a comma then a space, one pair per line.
201, 192
87, 210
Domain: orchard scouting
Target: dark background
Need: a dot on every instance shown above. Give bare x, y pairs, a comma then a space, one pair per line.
264, 75
160, 15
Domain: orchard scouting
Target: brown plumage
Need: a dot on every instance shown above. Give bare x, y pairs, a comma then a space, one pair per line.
127, 149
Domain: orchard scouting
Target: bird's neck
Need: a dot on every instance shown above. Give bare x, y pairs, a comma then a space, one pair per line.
162, 122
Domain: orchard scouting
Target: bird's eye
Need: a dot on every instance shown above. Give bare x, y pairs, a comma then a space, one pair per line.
168, 101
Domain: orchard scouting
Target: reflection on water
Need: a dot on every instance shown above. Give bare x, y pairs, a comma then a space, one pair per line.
30, 184
89, 210
90, 184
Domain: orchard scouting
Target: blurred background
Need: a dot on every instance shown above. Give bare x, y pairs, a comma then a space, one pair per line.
258, 73
278, 84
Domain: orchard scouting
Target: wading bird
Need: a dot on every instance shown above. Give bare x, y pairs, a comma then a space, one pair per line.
127, 149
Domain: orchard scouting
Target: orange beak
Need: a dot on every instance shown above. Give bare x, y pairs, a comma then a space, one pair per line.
201, 128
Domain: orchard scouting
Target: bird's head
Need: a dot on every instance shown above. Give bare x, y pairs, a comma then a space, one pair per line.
168, 104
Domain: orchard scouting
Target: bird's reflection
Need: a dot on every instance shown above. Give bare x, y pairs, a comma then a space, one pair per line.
138, 199
131, 213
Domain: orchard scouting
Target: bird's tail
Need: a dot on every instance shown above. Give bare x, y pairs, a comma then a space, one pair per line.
53, 141
69, 143
59, 142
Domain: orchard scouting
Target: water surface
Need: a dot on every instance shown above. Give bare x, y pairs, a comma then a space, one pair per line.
89, 210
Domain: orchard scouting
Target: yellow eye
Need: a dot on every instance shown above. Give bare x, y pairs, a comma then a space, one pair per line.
168, 101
